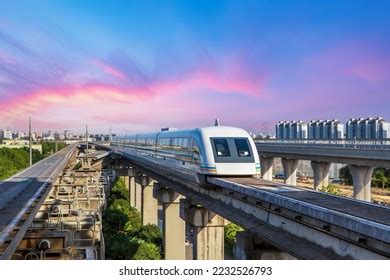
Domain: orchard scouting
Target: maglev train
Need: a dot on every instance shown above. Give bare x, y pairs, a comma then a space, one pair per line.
195, 154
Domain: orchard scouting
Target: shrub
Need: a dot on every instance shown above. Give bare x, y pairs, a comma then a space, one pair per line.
150, 233
230, 232
331, 189
147, 251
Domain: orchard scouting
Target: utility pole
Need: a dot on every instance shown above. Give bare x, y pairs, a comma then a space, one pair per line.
30, 139
86, 138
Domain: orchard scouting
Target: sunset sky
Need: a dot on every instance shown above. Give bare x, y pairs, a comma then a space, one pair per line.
140, 65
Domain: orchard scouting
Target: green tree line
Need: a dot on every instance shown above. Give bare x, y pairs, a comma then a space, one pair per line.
125, 237
14, 160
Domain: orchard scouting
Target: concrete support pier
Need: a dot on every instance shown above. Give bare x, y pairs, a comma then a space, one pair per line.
361, 177
209, 240
129, 179
132, 194
250, 247
290, 171
173, 225
266, 164
321, 174
149, 203
138, 195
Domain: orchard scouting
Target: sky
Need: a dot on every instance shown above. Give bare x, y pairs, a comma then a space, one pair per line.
137, 66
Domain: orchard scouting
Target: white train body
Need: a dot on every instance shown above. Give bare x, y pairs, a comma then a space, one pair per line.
210, 151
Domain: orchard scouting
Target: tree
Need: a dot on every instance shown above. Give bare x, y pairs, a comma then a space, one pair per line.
48, 148
12, 161
121, 217
119, 191
230, 233
115, 221
345, 175
150, 233
147, 251
125, 237
379, 178
120, 246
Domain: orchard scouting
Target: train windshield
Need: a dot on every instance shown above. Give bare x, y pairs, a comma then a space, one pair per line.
242, 147
221, 147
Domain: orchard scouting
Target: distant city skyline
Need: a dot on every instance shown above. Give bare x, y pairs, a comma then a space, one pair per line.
137, 66
261, 129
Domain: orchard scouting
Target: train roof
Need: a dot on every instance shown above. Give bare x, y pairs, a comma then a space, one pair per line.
211, 131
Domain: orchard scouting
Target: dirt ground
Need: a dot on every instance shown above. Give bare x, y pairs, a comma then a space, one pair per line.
378, 195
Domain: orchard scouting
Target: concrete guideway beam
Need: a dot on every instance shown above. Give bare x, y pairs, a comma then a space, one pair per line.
321, 174
293, 236
250, 247
300, 240
209, 231
266, 164
290, 171
361, 177
173, 225
124, 170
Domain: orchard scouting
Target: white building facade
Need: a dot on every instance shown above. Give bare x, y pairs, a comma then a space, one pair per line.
368, 128
325, 129
291, 130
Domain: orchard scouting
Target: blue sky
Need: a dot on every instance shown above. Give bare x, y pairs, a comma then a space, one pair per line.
141, 65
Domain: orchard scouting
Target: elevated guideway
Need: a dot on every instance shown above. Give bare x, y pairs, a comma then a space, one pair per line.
23, 194
305, 224
361, 224
361, 153
362, 156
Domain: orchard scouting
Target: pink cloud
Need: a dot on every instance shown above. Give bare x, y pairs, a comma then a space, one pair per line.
159, 102
110, 69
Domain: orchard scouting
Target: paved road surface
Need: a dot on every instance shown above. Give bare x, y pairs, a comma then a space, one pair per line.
23, 193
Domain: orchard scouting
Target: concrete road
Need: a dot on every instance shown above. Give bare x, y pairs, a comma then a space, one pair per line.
20, 193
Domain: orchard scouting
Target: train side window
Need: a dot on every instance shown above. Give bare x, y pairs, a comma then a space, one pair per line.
180, 144
242, 147
195, 150
176, 143
221, 147
185, 143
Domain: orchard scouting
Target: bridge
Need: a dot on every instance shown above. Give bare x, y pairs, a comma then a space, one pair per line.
281, 221
362, 156
297, 223
22, 195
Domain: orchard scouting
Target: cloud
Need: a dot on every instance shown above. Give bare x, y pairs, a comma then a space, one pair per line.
15, 44
110, 70
146, 103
